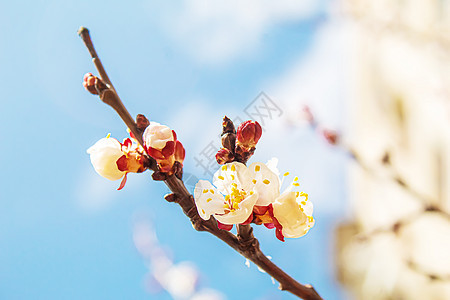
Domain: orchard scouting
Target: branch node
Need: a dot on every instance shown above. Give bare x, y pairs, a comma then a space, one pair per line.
159, 176
172, 197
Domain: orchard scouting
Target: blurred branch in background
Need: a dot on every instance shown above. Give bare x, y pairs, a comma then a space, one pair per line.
396, 245
383, 170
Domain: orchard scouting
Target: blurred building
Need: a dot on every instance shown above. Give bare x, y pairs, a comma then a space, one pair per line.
398, 244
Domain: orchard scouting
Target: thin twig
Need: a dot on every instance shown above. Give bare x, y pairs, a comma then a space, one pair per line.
246, 244
109, 96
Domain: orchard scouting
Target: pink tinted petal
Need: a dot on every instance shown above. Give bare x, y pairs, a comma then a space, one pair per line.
249, 220
169, 149
122, 163
155, 153
269, 225
224, 226
279, 228
260, 210
122, 183
179, 152
127, 143
174, 135
279, 234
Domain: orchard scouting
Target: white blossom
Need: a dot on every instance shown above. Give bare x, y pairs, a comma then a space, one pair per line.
104, 155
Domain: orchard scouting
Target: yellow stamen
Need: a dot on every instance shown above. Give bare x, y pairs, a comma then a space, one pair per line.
208, 200
221, 178
295, 178
303, 202
254, 181
310, 218
257, 168
233, 168
212, 191
296, 184
251, 192
203, 211
224, 168
266, 181
108, 136
303, 194
234, 198
232, 176
234, 184
205, 191
286, 174
297, 194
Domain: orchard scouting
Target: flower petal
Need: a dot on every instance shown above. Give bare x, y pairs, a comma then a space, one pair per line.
272, 165
266, 182
241, 214
234, 172
104, 154
294, 219
208, 200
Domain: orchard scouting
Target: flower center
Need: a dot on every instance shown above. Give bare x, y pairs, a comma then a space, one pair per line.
234, 198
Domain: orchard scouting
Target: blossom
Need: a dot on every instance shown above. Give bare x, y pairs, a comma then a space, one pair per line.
241, 195
161, 143
113, 160
290, 212
293, 212
236, 190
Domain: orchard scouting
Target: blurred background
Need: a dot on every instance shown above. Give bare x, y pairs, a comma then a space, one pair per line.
353, 96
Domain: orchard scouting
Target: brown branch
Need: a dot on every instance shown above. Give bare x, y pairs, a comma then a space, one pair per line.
245, 243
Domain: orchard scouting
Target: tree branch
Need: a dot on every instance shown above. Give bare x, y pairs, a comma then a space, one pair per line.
245, 243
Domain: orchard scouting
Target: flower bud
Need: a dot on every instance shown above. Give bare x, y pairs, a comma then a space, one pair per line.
248, 134
161, 143
142, 122
114, 160
227, 126
104, 155
157, 136
229, 141
224, 156
93, 84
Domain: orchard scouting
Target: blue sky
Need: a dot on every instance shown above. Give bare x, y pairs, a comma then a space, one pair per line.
65, 232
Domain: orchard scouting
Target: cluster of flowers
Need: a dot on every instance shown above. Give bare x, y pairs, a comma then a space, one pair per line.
114, 160
244, 195
238, 195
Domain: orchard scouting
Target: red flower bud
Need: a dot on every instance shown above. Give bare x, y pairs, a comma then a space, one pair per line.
224, 156
229, 141
331, 136
248, 134
93, 84
89, 83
